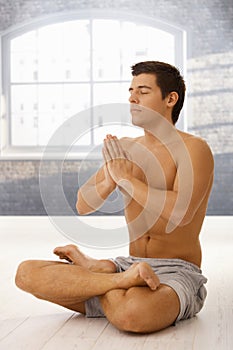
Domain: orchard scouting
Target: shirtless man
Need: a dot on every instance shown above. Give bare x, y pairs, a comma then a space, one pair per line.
165, 177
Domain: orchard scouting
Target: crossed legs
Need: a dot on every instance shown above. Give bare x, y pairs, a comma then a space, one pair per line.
132, 300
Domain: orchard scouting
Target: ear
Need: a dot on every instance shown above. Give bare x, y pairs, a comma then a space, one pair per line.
172, 98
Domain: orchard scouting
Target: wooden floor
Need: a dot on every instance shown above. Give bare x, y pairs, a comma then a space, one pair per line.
28, 323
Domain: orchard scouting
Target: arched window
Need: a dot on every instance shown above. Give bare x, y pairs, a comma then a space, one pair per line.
57, 67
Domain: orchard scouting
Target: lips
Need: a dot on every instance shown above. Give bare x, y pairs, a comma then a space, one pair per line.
135, 110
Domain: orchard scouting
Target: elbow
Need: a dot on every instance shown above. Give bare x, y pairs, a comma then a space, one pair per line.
187, 216
81, 206
78, 206
82, 209
185, 220
79, 209
179, 220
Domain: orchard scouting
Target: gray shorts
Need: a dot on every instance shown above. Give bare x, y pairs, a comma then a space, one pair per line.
183, 277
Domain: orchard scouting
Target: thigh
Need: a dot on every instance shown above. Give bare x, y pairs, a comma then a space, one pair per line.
50, 280
53, 281
141, 310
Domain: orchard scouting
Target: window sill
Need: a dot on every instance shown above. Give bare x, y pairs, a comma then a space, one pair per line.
30, 155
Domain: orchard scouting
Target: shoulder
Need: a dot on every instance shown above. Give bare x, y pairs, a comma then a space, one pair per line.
198, 149
193, 140
127, 141
131, 139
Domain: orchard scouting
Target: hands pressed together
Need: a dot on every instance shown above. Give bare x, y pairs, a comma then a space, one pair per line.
118, 165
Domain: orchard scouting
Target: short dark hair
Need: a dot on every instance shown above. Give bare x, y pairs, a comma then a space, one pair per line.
168, 79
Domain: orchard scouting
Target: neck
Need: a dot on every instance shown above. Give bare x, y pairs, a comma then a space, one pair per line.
149, 137
161, 131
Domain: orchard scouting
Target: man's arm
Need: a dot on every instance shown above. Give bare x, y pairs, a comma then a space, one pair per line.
93, 193
193, 180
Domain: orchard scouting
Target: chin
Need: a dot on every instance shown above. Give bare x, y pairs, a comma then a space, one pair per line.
137, 119
137, 122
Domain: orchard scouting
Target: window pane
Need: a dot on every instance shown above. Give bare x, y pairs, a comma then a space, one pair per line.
77, 103
77, 50
37, 111
106, 50
111, 93
50, 111
112, 99
24, 117
24, 43
24, 58
57, 103
50, 53
68, 58
144, 43
76, 98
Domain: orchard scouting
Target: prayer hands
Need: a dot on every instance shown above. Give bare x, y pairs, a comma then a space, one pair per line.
118, 164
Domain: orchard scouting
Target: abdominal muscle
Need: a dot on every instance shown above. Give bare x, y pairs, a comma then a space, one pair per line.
182, 243
152, 247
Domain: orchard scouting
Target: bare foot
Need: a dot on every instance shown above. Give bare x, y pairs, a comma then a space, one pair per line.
72, 254
64, 253
141, 274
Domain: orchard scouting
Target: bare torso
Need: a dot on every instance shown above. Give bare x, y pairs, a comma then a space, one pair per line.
161, 169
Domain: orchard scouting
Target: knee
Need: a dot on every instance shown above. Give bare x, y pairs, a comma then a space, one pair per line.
126, 319
23, 277
122, 312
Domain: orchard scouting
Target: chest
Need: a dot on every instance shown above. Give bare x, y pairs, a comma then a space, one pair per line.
155, 167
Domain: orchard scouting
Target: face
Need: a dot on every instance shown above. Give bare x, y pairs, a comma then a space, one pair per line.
144, 92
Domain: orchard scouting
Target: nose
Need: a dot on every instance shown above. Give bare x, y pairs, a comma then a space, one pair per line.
133, 98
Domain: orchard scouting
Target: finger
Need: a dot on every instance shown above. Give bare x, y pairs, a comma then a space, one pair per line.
106, 155
128, 155
106, 148
122, 152
111, 149
115, 147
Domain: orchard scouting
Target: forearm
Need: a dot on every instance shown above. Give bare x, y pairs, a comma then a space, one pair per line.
92, 196
156, 202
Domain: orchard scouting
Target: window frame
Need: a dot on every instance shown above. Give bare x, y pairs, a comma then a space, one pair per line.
7, 151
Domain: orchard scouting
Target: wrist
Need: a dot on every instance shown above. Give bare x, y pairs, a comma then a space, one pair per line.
109, 184
126, 185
